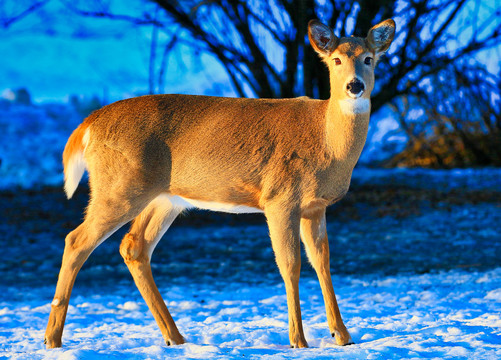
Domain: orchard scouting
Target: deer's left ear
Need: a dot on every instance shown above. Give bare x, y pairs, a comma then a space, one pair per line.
380, 36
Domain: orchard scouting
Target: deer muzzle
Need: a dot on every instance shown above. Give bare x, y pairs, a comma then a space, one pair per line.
355, 88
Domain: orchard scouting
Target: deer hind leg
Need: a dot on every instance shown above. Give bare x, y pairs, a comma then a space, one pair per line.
104, 216
314, 236
136, 249
284, 233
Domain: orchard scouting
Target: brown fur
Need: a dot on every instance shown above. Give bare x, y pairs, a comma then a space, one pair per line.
289, 158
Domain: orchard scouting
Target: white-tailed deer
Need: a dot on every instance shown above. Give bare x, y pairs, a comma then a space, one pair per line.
151, 157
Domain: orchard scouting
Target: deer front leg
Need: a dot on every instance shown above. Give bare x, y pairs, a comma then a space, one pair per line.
284, 233
314, 236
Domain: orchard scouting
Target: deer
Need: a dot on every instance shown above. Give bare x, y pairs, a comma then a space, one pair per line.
151, 157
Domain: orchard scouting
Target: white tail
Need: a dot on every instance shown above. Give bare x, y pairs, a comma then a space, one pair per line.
150, 157
73, 159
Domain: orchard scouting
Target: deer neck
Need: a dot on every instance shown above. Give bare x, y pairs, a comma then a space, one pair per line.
347, 123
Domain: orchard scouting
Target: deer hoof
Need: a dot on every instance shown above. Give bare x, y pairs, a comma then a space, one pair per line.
342, 339
51, 344
299, 344
172, 342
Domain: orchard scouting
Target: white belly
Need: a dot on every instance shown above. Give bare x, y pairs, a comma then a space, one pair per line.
186, 204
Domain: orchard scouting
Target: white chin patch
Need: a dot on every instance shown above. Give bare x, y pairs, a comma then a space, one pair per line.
355, 106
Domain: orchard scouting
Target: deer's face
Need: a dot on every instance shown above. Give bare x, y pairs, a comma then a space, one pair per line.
351, 68
352, 60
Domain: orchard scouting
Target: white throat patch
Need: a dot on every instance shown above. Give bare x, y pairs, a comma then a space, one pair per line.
355, 106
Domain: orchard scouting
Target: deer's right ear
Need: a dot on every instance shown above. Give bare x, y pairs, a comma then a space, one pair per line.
321, 38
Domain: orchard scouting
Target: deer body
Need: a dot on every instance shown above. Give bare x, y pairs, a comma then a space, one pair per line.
151, 157
255, 147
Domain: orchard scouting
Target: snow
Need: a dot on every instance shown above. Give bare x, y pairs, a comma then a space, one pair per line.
447, 315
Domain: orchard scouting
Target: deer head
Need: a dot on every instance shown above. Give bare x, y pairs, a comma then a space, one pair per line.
351, 60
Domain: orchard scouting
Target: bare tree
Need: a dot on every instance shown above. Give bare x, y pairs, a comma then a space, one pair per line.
12, 12
262, 44
263, 47
445, 131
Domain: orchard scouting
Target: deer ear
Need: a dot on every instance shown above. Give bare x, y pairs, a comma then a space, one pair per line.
321, 38
380, 36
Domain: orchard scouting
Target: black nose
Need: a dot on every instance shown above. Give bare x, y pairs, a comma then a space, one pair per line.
355, 87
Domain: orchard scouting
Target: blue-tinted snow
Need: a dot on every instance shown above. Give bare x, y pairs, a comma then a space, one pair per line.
450, 315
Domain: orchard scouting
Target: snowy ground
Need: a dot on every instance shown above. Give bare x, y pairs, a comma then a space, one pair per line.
415, 255
447, 315
410, 284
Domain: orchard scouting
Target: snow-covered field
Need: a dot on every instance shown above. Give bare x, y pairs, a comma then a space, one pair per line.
449, 315
221, 285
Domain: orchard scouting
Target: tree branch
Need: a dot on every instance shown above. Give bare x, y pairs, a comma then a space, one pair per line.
106, 15
11, 20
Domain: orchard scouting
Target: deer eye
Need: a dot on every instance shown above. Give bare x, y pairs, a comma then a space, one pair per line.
368, 60
337, 60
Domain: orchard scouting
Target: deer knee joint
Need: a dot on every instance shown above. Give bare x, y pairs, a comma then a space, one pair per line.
131, 248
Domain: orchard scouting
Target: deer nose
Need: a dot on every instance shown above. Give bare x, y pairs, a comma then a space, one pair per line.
356, 87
